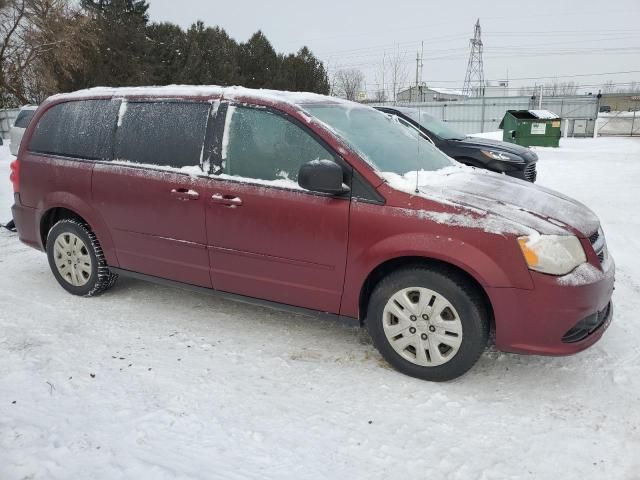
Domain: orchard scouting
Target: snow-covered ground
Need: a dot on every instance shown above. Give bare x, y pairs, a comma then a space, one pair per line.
148, 382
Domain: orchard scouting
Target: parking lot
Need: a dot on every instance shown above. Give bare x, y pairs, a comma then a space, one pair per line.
162, 383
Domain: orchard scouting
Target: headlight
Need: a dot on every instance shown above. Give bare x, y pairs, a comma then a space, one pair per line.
553, 254
500, 156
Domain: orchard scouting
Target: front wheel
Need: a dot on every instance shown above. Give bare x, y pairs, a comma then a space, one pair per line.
428, 323
76, 259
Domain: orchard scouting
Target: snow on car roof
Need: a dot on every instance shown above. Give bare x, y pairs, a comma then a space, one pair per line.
231, 93
543, 114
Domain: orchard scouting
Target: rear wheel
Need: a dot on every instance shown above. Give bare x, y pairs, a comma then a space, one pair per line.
428, 323
76, 259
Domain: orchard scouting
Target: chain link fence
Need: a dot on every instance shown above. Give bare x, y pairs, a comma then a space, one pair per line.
484, 114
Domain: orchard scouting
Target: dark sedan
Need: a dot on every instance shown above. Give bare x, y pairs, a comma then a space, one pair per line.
500, 157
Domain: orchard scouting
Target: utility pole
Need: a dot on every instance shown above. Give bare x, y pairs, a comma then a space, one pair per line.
474, 79
384, 91
540, 98
421, 70
417, 77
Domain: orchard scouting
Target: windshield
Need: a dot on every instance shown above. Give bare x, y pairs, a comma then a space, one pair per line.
384, 142
437, 127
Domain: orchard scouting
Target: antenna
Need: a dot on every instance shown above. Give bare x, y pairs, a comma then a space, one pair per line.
417, 163
474, 79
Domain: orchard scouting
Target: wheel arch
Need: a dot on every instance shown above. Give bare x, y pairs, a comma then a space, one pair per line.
60, 205
51, 217
398, 263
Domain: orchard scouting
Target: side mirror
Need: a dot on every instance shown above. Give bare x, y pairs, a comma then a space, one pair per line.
323, 176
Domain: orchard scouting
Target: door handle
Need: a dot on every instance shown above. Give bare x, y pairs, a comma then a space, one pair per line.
226, 200
185, 194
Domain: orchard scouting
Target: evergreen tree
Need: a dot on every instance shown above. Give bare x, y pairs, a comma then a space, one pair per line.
121, 28
119, 47
303, 72
166, 53
258, 61
211, 57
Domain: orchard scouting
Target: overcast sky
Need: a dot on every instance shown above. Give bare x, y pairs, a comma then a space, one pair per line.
522, 39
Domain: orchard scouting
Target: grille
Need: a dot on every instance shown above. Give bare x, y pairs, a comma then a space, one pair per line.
597, 242
530, 172
587, 326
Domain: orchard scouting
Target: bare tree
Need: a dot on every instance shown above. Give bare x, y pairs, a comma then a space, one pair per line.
349, 83
568, 88
608, 87
551, 89
398, 71
12, 48
633, 87
40, 41
556, 89
380, 95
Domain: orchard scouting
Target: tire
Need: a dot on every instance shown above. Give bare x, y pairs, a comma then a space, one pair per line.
76, 259
428, 323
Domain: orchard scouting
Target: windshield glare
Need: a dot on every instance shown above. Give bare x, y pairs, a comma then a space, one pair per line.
382, 140
437, 127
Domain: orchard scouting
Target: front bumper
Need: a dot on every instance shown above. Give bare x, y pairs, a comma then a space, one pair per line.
535, 321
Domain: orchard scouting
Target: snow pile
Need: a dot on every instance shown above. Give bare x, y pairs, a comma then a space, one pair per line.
543, 114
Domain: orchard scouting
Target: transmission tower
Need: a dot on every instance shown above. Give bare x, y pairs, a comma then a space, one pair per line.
474, 79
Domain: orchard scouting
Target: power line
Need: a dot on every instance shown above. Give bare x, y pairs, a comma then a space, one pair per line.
582, 85
379, 49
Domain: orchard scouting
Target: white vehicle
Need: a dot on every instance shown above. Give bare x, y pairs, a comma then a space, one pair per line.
22, 122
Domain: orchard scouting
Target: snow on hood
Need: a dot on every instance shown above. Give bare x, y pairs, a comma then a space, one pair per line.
521, 206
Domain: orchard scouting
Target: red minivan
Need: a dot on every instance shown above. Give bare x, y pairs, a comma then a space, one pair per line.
314, 204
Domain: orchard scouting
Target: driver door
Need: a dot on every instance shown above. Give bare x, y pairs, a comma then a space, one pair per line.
267, 237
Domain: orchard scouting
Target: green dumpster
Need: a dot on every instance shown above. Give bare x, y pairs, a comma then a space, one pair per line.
529, 128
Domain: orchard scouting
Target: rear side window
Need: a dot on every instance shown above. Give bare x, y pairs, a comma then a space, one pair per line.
161, 133
79, 129
23, 118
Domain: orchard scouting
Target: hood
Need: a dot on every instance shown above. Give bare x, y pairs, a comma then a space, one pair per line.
477, 142
516, 201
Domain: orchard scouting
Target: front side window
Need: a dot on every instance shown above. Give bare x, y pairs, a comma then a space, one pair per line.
169, 134
259, 144
78, 129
